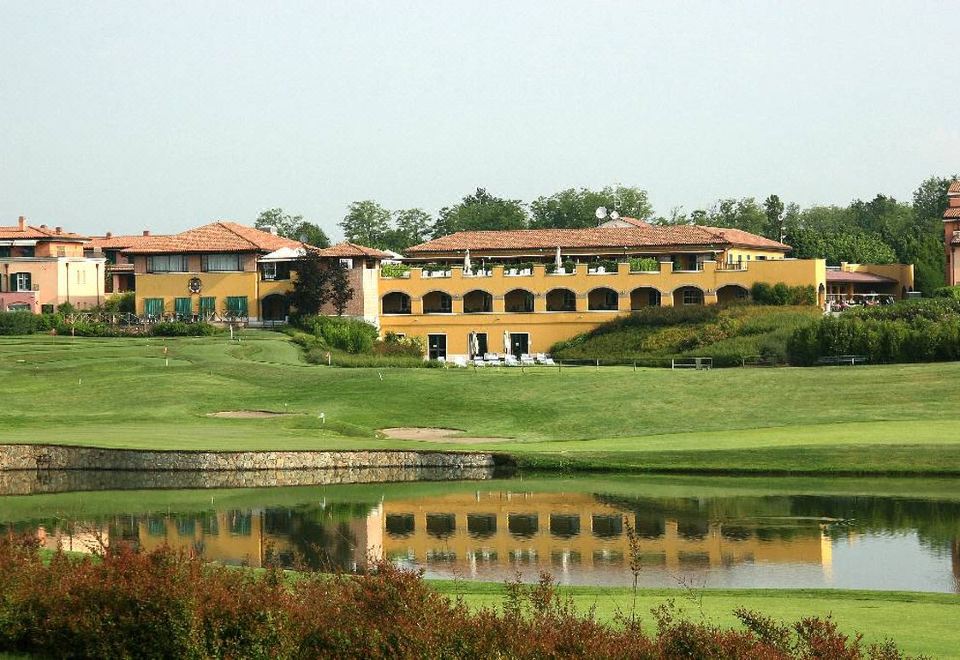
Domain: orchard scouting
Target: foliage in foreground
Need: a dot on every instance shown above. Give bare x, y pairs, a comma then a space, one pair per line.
166, 604
27, 323
909, 331
728, 334
345, 342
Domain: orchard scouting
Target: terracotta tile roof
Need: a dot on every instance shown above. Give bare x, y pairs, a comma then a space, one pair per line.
215, 237
41, 233
121, 242
954, 188
636, 222
347, 249
950, 214
840, 276
598, 237
743, 238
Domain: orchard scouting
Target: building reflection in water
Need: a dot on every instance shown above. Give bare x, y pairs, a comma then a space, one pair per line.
483, 533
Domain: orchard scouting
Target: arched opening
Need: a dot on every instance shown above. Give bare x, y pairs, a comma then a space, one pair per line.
603, 299
437, 302
477, 302
688, 295
274, 308
732, 293
396, 303
644, 296
561, 300
518, 300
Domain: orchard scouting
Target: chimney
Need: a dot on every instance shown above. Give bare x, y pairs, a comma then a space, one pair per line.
109, 234
22, 224
59, 230
146, 232
43, 226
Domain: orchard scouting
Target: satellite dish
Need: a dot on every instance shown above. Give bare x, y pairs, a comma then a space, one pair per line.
614, 215
601, 212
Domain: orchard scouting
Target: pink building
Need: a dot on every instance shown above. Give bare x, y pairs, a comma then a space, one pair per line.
951, 230
41, 268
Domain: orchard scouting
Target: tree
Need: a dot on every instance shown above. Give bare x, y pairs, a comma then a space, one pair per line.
293, 227
480, 211
340, 291
411, 227
311, 288
731, 213
366, 223
574, 208
773, 208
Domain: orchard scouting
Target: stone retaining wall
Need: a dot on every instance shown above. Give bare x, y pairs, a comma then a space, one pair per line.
34, 482
60, 457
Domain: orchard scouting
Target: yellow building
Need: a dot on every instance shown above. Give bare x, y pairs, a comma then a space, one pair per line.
522, 291
227, 271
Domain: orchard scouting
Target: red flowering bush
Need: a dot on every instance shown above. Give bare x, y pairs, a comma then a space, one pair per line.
164, 604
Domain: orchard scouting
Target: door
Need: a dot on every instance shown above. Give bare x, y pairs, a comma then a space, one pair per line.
482, 343
519, 343
437, 347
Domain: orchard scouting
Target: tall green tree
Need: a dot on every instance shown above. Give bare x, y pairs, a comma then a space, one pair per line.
366, 223
338, 285
293, 227
480, 211
773, 208
311, 288
576, 207
410, 227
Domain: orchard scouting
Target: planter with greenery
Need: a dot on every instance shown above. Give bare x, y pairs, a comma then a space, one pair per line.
601, 267
395, 270
644, 265
569, 267
435, 270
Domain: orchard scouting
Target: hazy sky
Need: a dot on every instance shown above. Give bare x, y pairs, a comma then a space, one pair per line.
164, 115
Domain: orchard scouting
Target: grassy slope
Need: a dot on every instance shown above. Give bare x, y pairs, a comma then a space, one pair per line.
120, 393
920, 623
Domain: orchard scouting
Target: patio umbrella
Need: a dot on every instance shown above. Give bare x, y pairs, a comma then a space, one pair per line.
475, 343
506, 342
466, 262
558, 261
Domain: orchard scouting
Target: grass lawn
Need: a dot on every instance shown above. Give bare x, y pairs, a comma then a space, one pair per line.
920, 623
155, 393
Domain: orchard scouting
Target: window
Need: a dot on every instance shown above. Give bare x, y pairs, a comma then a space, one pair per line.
692, 296
275, 270
153, 306
167, 263
220, 263
4, 252
46, 309
61, 251
347, 263
183, 306
20, 282
208, 306
237, 305
269, 270
81, 277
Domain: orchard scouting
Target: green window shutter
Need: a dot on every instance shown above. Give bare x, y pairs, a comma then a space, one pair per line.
237, 305
153, 306
183, 306
208, 305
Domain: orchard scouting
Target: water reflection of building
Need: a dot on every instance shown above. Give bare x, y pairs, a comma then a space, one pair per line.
75, 538
318, 537
562, 531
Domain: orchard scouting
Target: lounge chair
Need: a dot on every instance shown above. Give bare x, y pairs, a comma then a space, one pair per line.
478, 362
460, 361
510, 361
547, 360
527, 360
491, 358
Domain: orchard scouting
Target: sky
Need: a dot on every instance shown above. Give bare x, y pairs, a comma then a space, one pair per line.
124, 116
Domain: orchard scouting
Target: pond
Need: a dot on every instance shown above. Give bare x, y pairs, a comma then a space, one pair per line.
702, 532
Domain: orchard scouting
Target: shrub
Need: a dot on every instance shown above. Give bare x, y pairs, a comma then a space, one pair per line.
952, 292
780, 294
181, 329
166, 604
122, 303
911, 331
644, 264
394, 270
19, 323
350, 335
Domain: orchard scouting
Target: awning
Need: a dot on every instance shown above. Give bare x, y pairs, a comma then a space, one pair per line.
843, 277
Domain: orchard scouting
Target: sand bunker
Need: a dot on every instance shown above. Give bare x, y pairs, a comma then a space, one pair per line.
247, 414
447, 436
